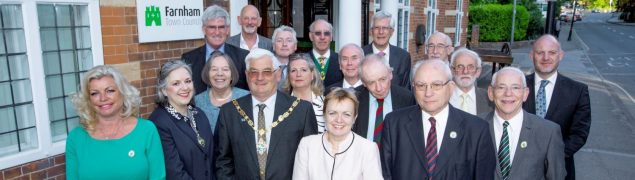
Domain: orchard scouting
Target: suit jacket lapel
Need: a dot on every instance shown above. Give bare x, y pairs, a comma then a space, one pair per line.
520, 154
187, 130
559, 90
362, 118
282, 105
249, 134
414, 127
530, 103
449, 145
490, 120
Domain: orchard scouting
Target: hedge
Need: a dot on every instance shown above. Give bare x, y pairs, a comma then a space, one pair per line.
495, 21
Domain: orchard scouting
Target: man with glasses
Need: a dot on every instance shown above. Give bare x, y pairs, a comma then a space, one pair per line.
434, 140
216, 28
529, 147
466, 68
257, 135
284, 44
382, 27
325, 60
249, 21
439, 46
377, 97
558, 98
350, 57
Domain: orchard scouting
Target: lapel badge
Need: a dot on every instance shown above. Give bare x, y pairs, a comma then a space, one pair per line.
242, 120
453, 134
131, 153
523, 144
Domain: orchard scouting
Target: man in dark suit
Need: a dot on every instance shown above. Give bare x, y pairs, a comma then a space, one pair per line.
466, 68
257, 135
325, 60
382, 27
377, 97
435, 140
558, 98
529, 147
249, 21
350, 57
216, 29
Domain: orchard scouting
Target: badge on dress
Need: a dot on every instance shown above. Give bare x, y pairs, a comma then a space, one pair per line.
453, 134
523, 144
131, 153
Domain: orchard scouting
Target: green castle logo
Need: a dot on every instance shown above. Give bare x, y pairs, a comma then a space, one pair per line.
153, 15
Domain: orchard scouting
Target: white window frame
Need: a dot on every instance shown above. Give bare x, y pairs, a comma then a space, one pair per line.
46, 148
459, 21
431, 15
404, 24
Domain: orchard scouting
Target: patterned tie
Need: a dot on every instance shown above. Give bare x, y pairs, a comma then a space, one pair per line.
381, 53
261, 147
503, 153
541, 100
321, 60
379, 121
431, 148
465, 98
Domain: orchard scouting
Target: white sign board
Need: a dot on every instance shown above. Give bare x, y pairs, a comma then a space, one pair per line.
169, 20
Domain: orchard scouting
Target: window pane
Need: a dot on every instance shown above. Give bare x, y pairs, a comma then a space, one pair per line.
7, 120
45, 15
85, 59
65, 36
63, 14
21, 91
8, 144
58, 130
56, 109
2, 51
54, 86
25, 116
49, 39
5, 91
28, 139
70, 109
70, 83
4, 68
11, 16
19, 66
68, 61
82, 35
51, 63
81, 15
15, 41
72, 123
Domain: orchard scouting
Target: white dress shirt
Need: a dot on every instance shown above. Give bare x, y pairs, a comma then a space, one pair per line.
345, 84
372, 109
442, 122
243, 43
314, 159
456, 100
548, 88
513, 132
326, 55
268, 111
386, 52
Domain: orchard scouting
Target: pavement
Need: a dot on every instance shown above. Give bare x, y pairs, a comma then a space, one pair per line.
610, 151
616, 20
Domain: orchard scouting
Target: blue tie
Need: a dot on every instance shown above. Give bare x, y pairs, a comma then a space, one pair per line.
541, 100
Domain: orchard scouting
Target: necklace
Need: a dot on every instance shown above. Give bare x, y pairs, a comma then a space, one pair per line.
229, 95
114, 133
188, 118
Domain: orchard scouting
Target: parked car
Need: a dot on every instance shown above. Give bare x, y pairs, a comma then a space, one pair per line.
566, 17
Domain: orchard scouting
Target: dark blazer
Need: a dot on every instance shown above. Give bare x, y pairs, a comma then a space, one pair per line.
196, 59
337, 84
333, 72
263, 42
401, 98
236, 147
470, 155
400, 62
483, 104
543, 157
184, 157
570, 108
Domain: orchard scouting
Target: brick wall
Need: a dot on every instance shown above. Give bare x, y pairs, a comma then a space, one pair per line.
52, 168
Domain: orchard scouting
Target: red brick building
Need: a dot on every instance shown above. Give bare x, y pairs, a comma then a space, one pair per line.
47, 44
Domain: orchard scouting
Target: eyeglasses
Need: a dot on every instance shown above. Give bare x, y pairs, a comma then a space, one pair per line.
438, 46
346, 59
282, 41
325, 33
265, 73
514, 89
221, 28
460, 68
382, 28
437, 85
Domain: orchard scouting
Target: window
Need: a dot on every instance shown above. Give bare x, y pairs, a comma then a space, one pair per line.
403, 14
431, 14
459, 18
45, 46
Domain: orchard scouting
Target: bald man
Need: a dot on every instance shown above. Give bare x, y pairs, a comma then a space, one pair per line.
249, 21
558, 98
439, 46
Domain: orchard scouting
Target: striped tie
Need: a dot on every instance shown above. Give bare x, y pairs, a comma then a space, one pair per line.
503, 153
431, 148
379, 121
541, 100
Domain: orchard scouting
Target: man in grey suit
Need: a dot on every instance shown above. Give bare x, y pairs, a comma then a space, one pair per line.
382, 27
528, 147
466, 68
249, 21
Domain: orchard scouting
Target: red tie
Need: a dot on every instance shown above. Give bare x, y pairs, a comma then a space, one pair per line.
431, 148
379, 121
